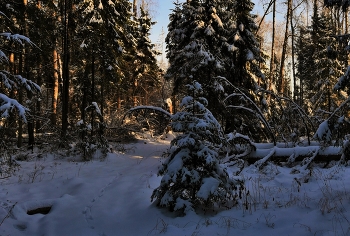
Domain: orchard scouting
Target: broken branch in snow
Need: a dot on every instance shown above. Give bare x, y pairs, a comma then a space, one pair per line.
8, 213
262, 161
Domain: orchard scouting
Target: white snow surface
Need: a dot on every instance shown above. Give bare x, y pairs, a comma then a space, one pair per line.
112, 197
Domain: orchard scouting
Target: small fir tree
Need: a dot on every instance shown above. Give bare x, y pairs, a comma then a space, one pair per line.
192, 174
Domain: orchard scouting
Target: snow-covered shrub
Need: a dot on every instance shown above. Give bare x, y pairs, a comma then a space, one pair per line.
192, 174
323, 132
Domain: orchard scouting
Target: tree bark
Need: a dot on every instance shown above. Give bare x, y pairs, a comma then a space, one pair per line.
55, 88
272, 45
65, 70
293, 58
92, 89
284, 49
20, 100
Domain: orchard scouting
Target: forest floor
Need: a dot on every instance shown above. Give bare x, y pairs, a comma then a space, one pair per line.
51, 194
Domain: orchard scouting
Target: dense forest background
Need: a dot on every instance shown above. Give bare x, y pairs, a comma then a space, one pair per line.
72, 69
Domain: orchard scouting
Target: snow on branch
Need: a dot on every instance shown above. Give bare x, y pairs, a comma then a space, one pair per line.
3, 57
343, 81
27, 84
4, 78
149, 108
17, 38
8, 104
14, 81
96, 108
323, 132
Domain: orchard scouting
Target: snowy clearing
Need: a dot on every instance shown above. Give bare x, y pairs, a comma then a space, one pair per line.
55, 195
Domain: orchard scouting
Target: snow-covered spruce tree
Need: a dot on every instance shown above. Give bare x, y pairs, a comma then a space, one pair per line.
245, 71
327, 67
192, 174
242, 69
102, 41
11, 82
305, 62
146, 72
197, 50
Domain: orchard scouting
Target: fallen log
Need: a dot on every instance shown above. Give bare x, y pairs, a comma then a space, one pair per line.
294, 154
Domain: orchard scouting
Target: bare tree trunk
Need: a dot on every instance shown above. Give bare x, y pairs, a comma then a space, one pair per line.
20, 71
38, 102
102, 96
20, 100
55, 88
284, 49
65, 70
92, 89
293, 58
272, 3
273, 45
346, 20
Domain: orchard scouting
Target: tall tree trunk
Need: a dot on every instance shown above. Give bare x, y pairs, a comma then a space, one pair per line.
102, 95
284, 49
20, 71
346, 12
20, 100
55, 88
65, 70
92, 90
30, 124
38, 102
272, 61
293, 58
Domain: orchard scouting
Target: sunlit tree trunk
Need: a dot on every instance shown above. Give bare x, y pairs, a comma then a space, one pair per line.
293, 58
55, 87
272, 80
284, 49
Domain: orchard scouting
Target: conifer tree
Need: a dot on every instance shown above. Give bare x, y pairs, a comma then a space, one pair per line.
322, 63
10, 81
192, 174
211, 42
197, 49
305, 62
103, 41
245, 69
146, 71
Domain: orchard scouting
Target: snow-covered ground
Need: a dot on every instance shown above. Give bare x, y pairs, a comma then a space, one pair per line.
112, 197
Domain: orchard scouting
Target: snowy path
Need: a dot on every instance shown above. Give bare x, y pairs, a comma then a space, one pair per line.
112, 198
